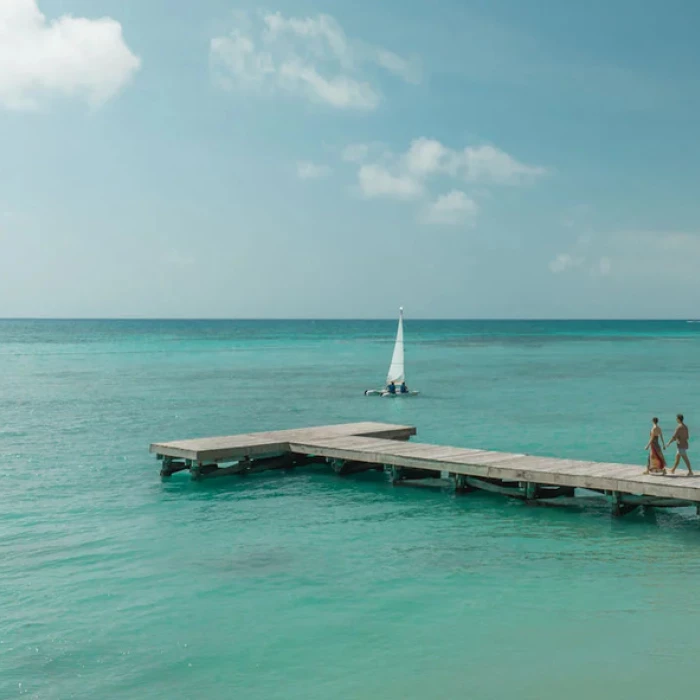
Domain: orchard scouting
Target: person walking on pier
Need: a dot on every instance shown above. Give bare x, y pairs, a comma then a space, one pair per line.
681, 437
656, 464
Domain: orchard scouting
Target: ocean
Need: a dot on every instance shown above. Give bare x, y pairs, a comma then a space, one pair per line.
116, 584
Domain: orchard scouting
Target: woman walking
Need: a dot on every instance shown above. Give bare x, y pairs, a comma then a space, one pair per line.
656, 464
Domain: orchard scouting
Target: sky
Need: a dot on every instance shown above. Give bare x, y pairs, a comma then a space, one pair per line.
311, 159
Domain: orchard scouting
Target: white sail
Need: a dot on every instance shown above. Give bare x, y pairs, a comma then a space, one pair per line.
396, 370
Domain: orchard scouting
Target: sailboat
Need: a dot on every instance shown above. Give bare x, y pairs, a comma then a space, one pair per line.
396, 378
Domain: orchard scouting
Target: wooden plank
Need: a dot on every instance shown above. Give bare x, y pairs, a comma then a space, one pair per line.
459, 455
381, 446
381, 457
281, 436
231, 447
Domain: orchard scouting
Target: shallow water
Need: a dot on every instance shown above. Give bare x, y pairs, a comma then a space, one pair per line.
114, 584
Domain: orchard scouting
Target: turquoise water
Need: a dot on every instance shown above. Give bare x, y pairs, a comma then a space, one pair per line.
114, 584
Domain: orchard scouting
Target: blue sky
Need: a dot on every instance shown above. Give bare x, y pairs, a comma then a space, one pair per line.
513, 159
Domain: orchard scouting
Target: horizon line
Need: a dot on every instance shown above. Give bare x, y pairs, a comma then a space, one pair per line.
345, 318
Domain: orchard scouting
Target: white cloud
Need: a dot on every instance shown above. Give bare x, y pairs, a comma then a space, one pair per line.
338, 91
482, 165
563, 262
662, 256
377, 181
69, 56
311, 171
309, 57
453, 208
578, 257
237, 53
323, 34
407, 175
489, 165
408, 70
428, 156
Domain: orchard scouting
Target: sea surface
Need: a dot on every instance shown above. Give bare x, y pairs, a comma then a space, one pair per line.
115, 584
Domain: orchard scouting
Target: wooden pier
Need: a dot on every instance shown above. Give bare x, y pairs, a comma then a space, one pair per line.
356, 447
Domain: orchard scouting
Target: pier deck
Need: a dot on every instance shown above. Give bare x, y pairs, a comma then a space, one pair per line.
505, 466
356, 447
233, 447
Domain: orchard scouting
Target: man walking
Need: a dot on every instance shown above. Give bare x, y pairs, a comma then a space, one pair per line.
680, 437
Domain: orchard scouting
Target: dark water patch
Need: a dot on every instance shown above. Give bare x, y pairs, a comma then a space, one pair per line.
249, 562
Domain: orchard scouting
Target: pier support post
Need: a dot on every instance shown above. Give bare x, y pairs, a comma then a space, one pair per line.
530, 491
200, 470
411, 474
344, 467
396, 475
616, 503
165, 468
248, 466
462, 483
619, 507
171, 466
